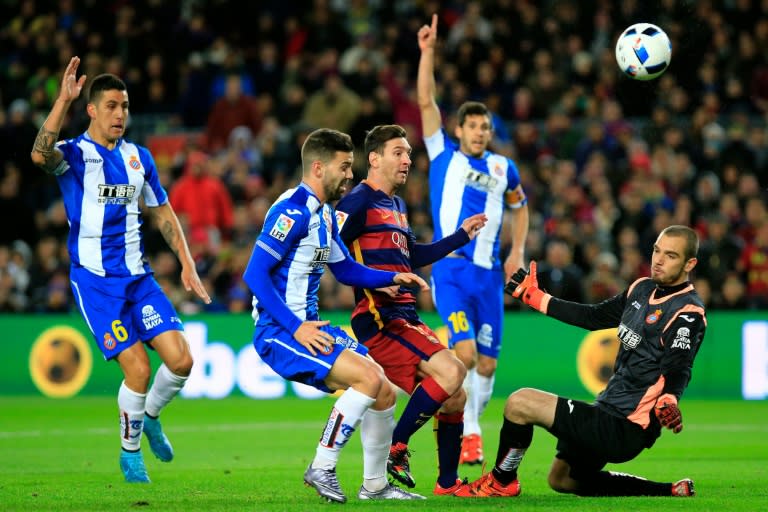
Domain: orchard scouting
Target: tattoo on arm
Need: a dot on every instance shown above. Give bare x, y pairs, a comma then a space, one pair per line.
44, 143
170, 235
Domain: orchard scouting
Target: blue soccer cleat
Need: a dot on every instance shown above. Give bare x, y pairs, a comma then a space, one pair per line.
158, 442
132, 465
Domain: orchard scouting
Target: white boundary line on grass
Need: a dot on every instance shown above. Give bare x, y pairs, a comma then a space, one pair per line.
293, 425
224, 427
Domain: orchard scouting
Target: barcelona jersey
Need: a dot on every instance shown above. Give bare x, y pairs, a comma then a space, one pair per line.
375, 228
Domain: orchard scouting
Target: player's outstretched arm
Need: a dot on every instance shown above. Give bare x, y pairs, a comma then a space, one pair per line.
425, 80
44, 153
170, 227
426, 254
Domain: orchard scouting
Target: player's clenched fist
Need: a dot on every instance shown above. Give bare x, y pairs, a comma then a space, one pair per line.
668, 413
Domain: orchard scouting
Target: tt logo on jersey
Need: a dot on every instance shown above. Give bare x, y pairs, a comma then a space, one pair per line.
687, 318
321, 257
682, 339
116, 194
629, 338
480, 181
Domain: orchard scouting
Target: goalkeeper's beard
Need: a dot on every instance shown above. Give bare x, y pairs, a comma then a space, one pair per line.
660, 277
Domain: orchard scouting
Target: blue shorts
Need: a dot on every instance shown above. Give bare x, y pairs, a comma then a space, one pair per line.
292, 361
121, 311
470, 300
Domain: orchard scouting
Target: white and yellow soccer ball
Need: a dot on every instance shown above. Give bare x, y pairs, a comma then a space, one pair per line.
643, 51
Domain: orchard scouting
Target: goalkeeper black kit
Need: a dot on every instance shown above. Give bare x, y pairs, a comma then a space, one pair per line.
660, 330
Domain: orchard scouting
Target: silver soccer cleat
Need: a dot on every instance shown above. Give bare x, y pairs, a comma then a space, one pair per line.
325, 483
390, 492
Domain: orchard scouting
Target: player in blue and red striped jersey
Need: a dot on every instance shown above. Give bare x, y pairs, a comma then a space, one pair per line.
374, 225
102, 176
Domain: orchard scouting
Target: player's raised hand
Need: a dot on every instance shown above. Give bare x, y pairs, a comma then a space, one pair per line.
409, 279
313, 338
70, 84
472, 225
524, 285
668, 413
427, 35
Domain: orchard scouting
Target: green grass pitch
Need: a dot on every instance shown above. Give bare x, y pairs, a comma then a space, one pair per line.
240, 454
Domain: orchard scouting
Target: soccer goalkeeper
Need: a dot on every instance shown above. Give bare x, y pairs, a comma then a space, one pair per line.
661, 324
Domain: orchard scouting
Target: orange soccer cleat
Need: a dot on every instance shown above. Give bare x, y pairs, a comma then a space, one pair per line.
471, 450
452, 490
488, 487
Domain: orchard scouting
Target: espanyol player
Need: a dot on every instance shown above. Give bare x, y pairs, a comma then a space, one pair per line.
466, 179
300, 237
102, 176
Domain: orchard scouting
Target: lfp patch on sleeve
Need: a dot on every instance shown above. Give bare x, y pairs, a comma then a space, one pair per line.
341, 218
282, 227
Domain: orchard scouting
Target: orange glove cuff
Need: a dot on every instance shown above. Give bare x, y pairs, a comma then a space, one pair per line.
537, 299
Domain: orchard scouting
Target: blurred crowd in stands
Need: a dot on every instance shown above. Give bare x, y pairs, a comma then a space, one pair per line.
607, 162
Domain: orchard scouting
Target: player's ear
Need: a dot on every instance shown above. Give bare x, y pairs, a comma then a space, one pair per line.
317, 168
457, 130
690, 264
373, 158
90, 108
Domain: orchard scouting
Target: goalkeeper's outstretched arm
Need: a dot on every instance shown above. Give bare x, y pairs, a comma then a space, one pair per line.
524, 285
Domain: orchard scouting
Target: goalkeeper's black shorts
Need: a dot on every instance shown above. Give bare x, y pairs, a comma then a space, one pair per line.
589, 438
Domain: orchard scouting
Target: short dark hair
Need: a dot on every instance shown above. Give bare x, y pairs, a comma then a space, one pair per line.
379, 135
322, 144
472, 108
104, 82
691, 239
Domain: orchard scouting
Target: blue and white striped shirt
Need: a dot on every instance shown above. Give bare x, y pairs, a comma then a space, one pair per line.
461, 186
101, 190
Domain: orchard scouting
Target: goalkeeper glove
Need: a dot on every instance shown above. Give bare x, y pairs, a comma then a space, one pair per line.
525, 286
668, 413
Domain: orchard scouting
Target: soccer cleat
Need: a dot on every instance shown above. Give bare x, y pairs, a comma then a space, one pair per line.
471, 450
132, 465
325, 483
452, 490
390, 492
158, 442
398, 466
488, 487
683, 487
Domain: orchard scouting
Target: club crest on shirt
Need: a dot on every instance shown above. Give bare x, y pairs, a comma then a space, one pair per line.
134, 163
109, 341
653, 317
282, 227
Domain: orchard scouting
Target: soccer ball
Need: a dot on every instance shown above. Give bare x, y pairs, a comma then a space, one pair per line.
643, 51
